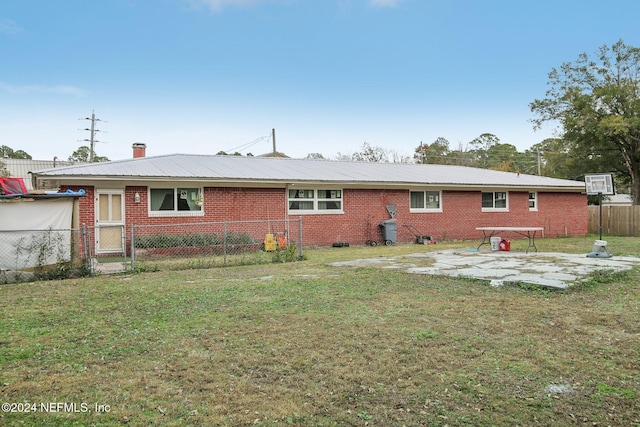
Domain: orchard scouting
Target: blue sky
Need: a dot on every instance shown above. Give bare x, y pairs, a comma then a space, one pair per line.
201, 76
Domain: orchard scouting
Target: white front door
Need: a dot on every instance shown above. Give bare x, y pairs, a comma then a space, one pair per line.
109, 221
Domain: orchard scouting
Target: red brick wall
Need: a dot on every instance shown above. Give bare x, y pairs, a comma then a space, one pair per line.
85, 204
220, 204
559, 213
244, 204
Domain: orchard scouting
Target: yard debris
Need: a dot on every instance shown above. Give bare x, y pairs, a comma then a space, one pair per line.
558, 389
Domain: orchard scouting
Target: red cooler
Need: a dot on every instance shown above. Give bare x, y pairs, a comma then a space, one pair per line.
505, 245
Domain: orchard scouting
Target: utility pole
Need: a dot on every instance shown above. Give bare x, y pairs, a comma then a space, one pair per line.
539, 164
92, 141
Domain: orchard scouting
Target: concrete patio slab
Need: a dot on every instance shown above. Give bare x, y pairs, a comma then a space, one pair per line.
549, 269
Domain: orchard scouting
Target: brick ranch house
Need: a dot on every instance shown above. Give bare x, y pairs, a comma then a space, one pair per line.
338, 201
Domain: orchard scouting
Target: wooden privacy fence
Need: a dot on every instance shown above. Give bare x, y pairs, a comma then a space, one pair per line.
616, 220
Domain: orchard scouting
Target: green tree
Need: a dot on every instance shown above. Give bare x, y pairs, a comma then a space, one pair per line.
504, 157
82, 155
235, 153
479, 149
397, 157
460, 156
368, 153
549, 158
596, 105
9, 153
20, 154
528, 162
434, 153
558, 158
374, 154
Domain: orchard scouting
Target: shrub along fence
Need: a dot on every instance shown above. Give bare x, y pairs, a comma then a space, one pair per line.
616, 220
230, 241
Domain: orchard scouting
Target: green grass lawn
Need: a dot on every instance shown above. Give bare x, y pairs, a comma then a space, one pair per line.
304, 343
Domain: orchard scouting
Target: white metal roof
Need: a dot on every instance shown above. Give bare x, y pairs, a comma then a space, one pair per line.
21, 168
282, 171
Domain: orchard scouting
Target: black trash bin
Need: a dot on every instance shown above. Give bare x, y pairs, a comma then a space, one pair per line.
389, 231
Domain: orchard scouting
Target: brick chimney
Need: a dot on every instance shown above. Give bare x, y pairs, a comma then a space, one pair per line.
139, 149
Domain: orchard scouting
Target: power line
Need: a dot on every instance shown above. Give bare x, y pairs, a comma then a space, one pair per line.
248, 144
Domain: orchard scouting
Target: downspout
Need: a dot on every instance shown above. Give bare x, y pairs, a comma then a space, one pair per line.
286, 201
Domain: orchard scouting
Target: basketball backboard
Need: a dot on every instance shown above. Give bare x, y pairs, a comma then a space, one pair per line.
599, 183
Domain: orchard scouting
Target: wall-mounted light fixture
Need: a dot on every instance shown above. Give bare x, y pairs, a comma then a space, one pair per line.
136, 198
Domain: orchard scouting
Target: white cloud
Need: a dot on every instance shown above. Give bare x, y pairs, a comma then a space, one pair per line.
38, 89
218, 5
385, 3
7, 26
66, 90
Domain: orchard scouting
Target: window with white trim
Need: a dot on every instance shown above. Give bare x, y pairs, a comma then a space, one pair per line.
425, 201
315, 201
495, 201
175, 201
533, 201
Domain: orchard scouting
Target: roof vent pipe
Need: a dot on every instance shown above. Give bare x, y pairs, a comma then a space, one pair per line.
273, 138
139, 150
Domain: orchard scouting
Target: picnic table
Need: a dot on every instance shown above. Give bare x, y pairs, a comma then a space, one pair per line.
528, 232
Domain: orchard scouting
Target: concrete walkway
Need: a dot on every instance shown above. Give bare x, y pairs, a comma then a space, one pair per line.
109, 267
549, 269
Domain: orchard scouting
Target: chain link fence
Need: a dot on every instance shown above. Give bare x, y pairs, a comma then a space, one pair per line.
27, 255
208, 244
